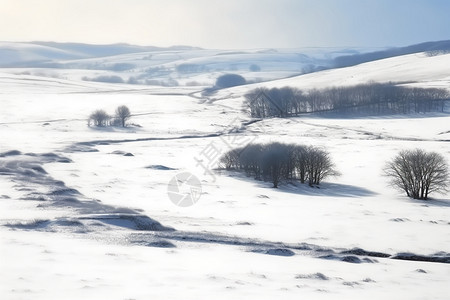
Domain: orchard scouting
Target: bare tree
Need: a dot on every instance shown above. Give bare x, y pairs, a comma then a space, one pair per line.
318, 165
250, 159
300, 159
274, 162
123, 114
418, 173
230, 160
367, 99
277, 162
99, 118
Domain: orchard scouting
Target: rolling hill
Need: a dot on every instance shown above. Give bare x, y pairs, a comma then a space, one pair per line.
86, 213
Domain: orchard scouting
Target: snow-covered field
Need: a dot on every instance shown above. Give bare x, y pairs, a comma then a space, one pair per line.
81, 219
175, 66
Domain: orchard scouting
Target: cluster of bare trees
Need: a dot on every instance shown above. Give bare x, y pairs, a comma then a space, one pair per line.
277, 162
418, 173
101, 118
371, 99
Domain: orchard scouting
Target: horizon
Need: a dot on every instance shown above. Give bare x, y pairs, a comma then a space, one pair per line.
203, 48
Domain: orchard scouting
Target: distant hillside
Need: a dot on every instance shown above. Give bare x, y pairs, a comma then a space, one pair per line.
149, 65
20, 54
356, 59
190, 66
413, 70
108, 50
38, 54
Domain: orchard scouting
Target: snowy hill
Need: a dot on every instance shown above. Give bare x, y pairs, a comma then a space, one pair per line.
183, 65
178, 65
433, 48
38, 53
85, 212
420, 69
27, 54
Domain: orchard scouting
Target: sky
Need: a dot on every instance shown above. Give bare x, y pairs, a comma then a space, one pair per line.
228, 24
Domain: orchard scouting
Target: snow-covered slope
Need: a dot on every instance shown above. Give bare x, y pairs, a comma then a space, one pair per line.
23, 54
39, 53
418, 69
162, 66
85, 212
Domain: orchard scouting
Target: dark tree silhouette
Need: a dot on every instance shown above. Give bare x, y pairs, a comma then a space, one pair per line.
123, 114
300, 160
230, 160
99, 118
229, 80
364, 99
318, 165
277, 162
274, 162
250, 160
418, 173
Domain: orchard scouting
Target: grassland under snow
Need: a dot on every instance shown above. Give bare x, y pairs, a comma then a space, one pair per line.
76, 213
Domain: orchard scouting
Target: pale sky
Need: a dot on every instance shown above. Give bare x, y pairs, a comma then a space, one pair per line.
228, 24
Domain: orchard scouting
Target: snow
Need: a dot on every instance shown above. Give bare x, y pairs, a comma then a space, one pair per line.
78, 268
85, 237
417, 69
11, 53
159, 66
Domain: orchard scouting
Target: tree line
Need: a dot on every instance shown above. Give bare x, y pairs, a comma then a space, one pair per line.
278, 162
415, 172
371, 99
